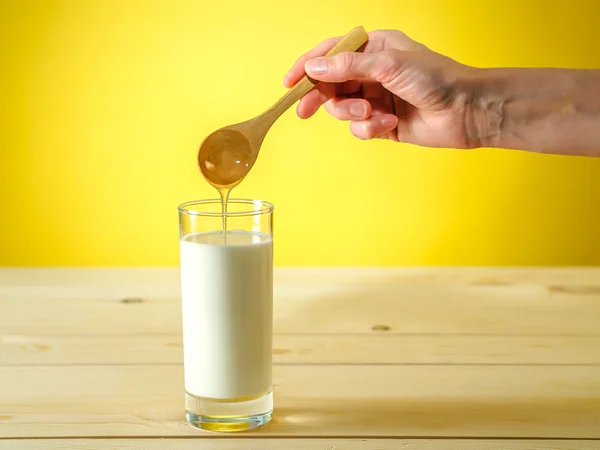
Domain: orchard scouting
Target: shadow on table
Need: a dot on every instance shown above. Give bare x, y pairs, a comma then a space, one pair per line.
542, 418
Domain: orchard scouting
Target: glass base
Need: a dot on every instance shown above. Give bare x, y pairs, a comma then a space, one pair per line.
228, 415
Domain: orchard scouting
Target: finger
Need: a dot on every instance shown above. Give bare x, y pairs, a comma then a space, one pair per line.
381, 66
348, 108
297, 70
311, 102
381, 100
349, 87
374, 126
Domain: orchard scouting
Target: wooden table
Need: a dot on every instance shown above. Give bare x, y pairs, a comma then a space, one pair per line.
386, 358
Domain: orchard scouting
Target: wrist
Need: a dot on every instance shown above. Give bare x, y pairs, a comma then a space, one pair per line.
485, 109
540, 110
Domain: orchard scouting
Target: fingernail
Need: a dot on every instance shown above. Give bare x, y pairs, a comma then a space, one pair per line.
358, 109
317, 66
387, 121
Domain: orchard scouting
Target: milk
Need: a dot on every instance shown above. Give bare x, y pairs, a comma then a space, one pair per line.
227, 301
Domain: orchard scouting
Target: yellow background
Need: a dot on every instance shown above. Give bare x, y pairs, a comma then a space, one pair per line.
104, 103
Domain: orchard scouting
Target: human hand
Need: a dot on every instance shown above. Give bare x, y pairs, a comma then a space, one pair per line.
395, 89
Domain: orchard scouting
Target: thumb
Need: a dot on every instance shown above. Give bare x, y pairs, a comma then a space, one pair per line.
380, 66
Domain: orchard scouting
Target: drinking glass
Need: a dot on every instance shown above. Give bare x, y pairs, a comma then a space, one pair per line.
227, 308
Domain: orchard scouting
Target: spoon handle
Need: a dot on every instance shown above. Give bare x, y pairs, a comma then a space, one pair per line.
349, 43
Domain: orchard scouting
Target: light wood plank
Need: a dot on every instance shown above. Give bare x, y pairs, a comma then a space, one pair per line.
376, 348
299, 444
335, 301
366, 401
164, 281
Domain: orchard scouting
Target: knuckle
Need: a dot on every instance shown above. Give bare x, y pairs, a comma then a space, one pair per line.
405, 42
388, 66
345, 60
400, 36
377, 34
392, 56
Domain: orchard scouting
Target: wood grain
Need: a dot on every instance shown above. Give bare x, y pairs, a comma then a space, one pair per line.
375, 348
298, 444
482, 303
360, 401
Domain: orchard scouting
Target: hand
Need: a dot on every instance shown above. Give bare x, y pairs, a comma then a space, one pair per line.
395, 89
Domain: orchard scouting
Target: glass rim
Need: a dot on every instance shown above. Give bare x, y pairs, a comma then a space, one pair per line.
266, 207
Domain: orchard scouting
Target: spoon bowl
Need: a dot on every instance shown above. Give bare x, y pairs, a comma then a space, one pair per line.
225, 157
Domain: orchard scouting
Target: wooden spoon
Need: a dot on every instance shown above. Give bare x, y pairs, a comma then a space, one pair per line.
226, 156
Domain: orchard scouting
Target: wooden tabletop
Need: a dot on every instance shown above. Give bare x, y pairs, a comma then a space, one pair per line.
386, 358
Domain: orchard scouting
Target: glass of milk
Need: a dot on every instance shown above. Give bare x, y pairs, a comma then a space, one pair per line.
227, 308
